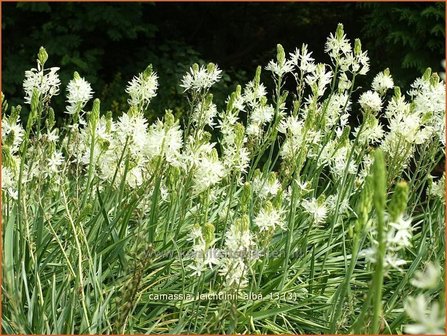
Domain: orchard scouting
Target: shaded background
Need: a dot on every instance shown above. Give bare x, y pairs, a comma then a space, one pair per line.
108, 43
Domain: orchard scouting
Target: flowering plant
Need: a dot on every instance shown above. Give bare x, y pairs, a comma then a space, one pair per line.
312, 192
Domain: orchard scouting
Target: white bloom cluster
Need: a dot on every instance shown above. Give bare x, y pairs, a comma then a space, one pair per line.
382, 82
429, 320
239, 243
269, 218
370, 102
142, 88
201, 78
79, 92
316, 208
45, 81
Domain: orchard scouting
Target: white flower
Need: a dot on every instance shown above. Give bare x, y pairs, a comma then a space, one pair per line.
9, 183
209, 171
302, 59
262, 114
56, 160
204, 114
79, 93
337, 46
142, 88
279, 69
199, 78
429, 320
400, 233
382, 82
234, 271
319, 79
268, 218
316, 209
427, 279
438, 188
45, 81
14, 129
135, 127
266, 188
167, 140
212, 257
198, 267
253, 93
370, 101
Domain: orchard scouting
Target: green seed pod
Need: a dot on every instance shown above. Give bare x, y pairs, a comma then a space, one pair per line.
399, 200
42, 56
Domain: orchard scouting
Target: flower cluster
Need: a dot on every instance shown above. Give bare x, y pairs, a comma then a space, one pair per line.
232, 183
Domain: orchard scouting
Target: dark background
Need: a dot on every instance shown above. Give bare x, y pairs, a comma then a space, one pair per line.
108, 43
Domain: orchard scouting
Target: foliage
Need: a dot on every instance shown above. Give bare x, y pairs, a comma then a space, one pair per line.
271, 215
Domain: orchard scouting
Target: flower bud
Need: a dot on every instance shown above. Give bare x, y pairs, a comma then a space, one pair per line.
109, 121
50, 120
257, 78
357, 47
427, 74
169, 118
42, 56
15, 113
339, 32
208, 234
280, 54
94, 115
379, 174
210, 67
148, 71
195, 68
245, 196
243, 223
397, 92
399, 200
